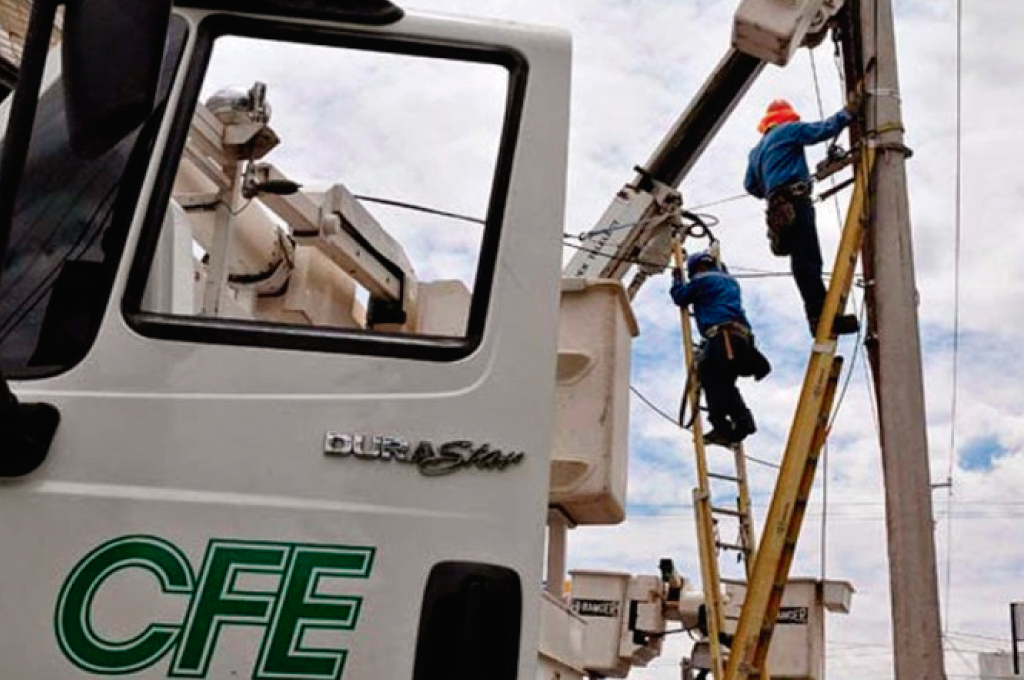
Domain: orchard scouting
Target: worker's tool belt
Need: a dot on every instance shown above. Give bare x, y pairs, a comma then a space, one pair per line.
732, 327
740, 349
781, 215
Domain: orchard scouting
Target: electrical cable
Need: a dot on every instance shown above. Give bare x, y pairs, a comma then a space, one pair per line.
584, 236
956, 650
957, 194
761, 275
853, 362
703, 220
821, 116
241, 209
1000, 640
421, 208
751, 273
614, 258
672, 420
857, 343
651, 405
824, 449
720, 201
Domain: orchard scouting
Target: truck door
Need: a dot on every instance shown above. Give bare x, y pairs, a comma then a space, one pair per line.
299, 325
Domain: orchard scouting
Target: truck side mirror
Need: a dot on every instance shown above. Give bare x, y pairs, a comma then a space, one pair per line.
104, 104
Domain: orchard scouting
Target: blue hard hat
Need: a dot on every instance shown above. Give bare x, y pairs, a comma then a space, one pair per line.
698, 259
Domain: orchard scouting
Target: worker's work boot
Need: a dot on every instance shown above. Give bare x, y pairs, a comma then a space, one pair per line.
844, 324
719, 436
744, 426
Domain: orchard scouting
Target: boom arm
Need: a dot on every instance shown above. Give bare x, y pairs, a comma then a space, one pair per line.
635, 230
635, 227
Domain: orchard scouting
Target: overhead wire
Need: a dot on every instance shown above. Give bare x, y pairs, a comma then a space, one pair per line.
612, 258
420, 208
834, 516
963, 658
823, 546
861, 313
651, 405
721, 201
957, 204
584, 235
988, 638
853, 362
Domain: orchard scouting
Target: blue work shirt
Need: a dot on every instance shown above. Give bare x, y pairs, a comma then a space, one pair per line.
715, 297
779, 157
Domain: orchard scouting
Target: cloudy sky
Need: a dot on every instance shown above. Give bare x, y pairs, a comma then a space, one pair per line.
636, 65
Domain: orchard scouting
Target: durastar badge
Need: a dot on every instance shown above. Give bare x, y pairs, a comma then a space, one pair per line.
431, 460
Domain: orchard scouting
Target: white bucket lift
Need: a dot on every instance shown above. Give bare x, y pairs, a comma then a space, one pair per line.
797, 649
773, 29
624, 617
562, 632
589, 456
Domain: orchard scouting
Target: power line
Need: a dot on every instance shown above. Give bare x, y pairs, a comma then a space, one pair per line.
652, 406
821, 115
612, 258
585, 235
960, 654
720, 201
957, 194
853, 362
955, 633
879, 504
664, 511
823, 547
421, 208
675, 422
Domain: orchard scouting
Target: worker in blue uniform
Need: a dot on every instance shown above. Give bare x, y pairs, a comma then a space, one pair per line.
777, 171
728, 349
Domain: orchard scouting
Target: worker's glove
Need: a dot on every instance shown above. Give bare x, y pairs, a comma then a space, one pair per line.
854, 103
677, 275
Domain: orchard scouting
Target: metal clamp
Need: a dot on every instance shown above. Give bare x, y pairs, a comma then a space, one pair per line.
885, 92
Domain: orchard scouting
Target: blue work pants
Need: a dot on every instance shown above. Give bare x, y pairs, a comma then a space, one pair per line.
805, 257
718, 378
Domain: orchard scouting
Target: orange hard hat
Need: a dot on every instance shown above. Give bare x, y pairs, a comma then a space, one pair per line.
779, 111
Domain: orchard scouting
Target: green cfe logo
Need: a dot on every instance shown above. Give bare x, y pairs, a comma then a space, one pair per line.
298, 603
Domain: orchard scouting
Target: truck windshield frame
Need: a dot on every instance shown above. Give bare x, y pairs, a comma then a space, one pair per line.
70, 219
373, 12
245, 332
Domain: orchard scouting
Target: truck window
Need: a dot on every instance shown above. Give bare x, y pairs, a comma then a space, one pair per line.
335, 196
70, 221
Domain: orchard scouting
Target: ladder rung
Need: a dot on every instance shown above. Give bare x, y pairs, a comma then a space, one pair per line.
732, 546
733, 581
728, 478
726, 511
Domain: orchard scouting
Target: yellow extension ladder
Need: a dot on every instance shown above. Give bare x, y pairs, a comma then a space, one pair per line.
711, 514
767, 565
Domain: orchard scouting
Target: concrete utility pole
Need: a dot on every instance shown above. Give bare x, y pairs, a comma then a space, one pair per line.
895, 354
